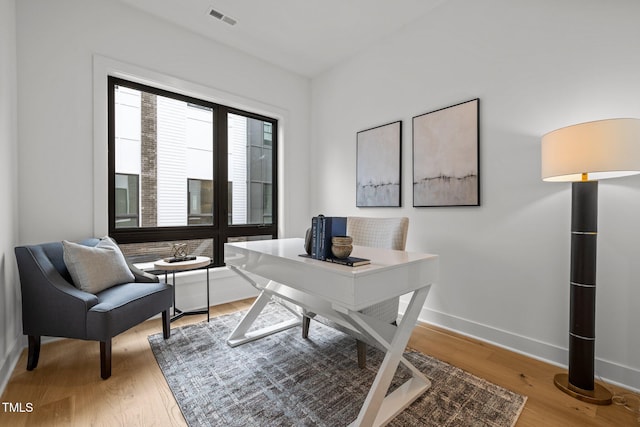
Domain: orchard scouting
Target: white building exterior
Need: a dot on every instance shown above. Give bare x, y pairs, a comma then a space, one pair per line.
184, 151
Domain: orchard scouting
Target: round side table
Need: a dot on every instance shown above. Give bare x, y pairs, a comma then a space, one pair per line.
173, 267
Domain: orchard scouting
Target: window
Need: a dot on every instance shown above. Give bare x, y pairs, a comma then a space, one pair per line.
200, 202
251, 168
126, 200
170, 156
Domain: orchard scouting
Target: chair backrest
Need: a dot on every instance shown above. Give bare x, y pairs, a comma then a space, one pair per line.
53, 252
389, 233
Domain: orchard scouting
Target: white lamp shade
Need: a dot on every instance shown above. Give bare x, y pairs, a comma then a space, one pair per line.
601, 149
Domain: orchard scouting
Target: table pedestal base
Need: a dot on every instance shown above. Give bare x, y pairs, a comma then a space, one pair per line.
177, 313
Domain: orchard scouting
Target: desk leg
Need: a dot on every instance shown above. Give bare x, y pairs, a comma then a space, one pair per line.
377, 409
240, 334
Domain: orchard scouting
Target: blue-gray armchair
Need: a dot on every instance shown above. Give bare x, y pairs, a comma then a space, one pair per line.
53, 306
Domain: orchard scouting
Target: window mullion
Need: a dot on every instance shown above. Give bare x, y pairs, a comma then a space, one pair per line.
221, 174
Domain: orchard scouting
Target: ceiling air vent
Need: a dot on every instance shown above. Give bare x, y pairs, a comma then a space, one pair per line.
229, 20
222, 17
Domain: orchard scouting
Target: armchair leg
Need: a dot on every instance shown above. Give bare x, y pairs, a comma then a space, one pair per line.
105, 359
306, 320
34, 352
166, 324
362, 354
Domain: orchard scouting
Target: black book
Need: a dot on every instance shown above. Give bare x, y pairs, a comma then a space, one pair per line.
314, 237
350, 261
333, 226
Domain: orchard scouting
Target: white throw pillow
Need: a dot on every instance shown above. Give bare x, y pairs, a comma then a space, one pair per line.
94, 269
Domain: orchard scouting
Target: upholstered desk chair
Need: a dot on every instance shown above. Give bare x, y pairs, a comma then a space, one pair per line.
388, 233
53, 306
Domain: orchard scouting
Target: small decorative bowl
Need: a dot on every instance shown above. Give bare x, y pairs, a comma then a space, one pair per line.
341, 246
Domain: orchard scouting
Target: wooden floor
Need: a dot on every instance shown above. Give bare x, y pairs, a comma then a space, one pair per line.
66, 390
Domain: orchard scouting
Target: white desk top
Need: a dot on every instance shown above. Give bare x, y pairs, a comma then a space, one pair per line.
390, 274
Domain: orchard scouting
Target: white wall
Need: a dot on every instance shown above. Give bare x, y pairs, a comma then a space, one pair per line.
536, 66
57, 42
10, 326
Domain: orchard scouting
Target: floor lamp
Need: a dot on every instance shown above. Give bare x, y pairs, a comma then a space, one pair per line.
583, 154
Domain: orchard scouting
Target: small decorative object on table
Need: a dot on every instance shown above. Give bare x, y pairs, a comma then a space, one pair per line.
341, 246
179, 250
179, 253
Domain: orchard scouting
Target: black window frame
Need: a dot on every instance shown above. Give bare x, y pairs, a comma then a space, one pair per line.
220, 230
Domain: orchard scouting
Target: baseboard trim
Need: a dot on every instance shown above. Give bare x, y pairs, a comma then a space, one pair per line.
606, 371
224, 286
9, 363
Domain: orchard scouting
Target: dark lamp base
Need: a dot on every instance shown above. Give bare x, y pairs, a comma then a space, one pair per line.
598, 396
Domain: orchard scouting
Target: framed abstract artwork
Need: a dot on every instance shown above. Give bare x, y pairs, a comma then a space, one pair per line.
446, 162
378, 171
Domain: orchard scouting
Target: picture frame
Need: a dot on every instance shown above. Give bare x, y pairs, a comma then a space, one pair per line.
378, 166
446, 156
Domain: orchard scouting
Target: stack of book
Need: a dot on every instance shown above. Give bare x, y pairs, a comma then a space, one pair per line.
323, 228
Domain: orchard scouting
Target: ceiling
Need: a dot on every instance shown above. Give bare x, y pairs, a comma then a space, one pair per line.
304, 36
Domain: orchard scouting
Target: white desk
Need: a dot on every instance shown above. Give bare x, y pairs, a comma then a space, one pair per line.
338, 292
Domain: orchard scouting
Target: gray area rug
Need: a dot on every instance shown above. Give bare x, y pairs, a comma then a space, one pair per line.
284, 380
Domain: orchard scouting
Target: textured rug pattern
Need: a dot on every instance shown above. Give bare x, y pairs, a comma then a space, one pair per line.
284, 380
